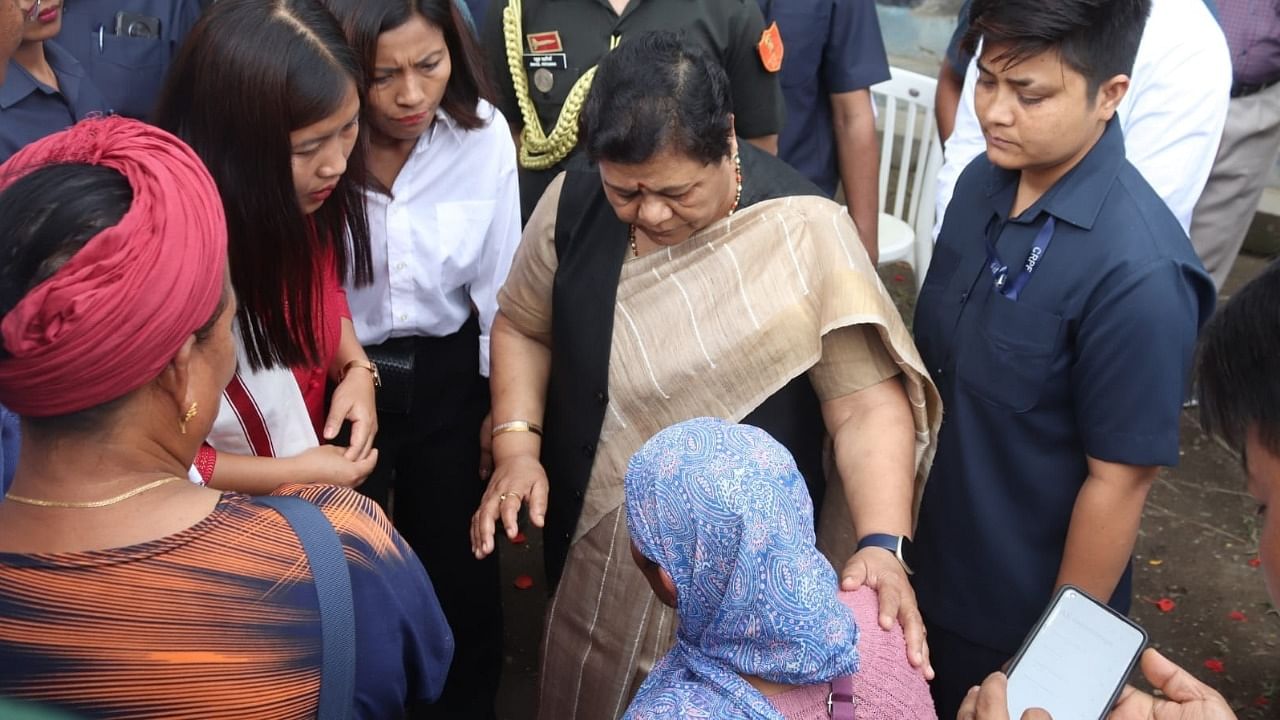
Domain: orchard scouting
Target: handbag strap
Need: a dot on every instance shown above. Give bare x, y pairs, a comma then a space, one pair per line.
840, 701
332, 577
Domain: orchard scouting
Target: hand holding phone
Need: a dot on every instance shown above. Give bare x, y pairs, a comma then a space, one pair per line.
990, 702
1184, 695
1076, 659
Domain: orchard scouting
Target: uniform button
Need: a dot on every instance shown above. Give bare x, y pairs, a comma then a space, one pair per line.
964, 296
938, 372
567, 536
404, 318
400, 266
602, 398
578, 494
588, 450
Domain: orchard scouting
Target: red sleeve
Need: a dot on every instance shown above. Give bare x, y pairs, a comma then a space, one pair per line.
335, 295
205, 461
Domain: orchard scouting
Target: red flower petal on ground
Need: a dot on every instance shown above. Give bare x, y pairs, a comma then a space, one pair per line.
519, 539
1237, 616
899, 278
1261, 701
1165, 605
1255, 562
1214, 665
524, 582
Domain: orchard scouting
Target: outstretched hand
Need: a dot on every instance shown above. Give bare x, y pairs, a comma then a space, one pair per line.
515, 482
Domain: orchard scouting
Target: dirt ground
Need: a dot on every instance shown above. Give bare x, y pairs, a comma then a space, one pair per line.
1195, 589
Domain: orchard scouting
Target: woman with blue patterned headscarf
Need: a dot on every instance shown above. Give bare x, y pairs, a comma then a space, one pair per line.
722, 525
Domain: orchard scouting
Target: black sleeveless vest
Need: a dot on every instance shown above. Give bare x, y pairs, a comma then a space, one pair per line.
591, 245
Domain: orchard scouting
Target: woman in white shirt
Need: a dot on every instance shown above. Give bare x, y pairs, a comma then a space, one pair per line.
444, 218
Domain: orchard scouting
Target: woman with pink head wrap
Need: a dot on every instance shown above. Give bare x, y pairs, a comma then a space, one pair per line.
125, 590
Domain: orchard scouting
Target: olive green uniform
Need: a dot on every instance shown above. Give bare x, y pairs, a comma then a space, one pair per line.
571, 36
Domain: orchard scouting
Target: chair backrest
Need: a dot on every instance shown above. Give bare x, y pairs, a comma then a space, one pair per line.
904, 105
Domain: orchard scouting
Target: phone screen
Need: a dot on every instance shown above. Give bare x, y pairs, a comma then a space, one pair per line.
1076, 660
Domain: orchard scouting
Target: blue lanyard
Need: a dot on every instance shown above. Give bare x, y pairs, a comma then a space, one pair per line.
1011, 288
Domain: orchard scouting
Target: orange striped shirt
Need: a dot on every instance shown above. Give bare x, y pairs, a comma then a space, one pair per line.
220, 620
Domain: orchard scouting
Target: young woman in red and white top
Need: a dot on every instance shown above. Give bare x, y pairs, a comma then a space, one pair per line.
268, 94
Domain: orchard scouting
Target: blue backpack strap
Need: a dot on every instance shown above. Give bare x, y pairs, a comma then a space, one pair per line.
337, 610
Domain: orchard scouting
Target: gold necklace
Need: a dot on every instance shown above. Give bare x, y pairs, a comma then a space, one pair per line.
737, 198
92, 503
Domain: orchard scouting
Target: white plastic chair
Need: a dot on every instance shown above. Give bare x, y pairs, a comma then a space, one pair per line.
904, 105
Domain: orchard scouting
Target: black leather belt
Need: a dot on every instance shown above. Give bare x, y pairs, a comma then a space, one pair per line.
1245, 89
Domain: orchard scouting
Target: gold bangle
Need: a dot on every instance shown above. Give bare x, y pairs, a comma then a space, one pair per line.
363, 365
517, 426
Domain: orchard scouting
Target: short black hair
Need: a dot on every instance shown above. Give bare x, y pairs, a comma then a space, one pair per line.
654, 92
1096, 38
1236, 376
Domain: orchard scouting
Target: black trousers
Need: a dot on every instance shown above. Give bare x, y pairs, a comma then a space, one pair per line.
959, 665
428, 472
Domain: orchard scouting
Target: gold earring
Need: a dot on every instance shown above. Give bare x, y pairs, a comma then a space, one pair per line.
191, 413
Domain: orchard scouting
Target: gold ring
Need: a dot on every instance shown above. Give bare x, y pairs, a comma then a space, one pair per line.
503, 497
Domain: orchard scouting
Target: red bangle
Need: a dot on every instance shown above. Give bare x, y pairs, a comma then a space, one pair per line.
205, 460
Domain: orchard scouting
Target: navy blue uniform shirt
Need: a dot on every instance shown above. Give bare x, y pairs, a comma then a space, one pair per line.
128, 70
30, 110
1091, 360
830, 46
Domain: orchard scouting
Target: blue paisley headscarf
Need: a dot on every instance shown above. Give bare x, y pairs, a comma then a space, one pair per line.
722, 508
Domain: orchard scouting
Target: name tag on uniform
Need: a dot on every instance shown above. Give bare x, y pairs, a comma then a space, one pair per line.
550, 61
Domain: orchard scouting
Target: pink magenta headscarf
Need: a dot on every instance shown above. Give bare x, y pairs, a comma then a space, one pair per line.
111, 318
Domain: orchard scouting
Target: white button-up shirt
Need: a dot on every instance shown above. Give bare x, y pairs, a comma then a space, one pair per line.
1172, 116
444, 239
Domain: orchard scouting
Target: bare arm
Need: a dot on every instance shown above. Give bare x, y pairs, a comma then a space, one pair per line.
520, 366
858, 156
255, 475
947, 99
1104, 526
251, 474
874, 436
767, 143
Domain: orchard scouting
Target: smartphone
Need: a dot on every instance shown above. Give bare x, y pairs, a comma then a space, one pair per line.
136, 26
1076, 659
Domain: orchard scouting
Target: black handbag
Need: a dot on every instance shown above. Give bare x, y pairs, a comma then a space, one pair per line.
395, 360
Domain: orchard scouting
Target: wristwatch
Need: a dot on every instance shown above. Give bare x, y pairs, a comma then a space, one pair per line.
899, 545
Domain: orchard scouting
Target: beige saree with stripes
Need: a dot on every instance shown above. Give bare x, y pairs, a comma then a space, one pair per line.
713, 326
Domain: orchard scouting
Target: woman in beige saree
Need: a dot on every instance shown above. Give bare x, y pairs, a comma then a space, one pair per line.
692, 275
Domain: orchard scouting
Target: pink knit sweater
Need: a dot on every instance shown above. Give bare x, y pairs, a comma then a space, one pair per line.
885, 686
